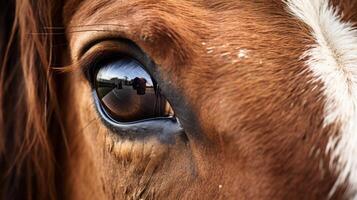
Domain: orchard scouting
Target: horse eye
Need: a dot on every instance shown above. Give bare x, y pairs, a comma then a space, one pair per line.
127, 93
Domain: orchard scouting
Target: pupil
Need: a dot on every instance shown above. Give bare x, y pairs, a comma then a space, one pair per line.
127, 92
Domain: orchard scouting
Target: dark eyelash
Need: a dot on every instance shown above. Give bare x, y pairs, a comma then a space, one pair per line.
91, 60
90, 64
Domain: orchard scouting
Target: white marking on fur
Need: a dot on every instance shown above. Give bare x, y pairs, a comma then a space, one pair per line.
243, 53
333, 60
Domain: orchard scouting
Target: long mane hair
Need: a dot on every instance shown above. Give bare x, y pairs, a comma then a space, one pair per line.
29, 113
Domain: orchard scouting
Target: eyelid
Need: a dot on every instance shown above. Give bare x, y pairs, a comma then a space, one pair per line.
162, 127
103, 48
119, 45
105, 51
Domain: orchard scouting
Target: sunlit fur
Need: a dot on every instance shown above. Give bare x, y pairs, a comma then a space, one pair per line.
263, 119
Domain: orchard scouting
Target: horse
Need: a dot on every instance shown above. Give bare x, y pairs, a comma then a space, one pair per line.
243, 99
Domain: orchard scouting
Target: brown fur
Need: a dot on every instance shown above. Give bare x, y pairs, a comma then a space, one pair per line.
254, 119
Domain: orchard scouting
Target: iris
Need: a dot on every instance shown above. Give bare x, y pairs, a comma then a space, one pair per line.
127, 93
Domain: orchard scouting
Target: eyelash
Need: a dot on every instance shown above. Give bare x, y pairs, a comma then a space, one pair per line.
91, 63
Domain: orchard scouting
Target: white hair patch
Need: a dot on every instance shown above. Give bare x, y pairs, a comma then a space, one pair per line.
333, 61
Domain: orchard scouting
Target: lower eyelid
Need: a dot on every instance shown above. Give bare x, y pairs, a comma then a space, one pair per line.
165, 128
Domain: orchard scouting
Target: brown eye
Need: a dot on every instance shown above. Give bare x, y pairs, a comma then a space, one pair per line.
127, 93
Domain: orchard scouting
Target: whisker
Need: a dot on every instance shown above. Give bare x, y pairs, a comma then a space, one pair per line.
45, 33
79, 31
79, 26
95, 30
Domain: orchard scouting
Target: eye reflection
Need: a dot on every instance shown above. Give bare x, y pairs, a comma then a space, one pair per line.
128, 93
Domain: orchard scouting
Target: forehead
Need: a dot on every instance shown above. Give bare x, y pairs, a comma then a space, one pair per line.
111, 8
184, 22
72, 5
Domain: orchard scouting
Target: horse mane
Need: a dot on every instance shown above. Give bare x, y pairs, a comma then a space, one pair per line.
29, 114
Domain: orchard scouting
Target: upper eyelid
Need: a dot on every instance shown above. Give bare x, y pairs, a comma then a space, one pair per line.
106, 50
107, 42
97, 49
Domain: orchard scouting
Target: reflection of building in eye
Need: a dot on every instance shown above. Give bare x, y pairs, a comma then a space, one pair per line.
117, 83
139, 84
